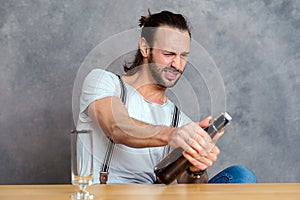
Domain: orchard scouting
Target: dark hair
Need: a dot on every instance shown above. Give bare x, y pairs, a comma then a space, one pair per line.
149, 24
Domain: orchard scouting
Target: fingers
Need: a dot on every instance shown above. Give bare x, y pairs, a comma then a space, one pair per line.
217, 136
196, 140
193, 143
198, 146
195, 162
203, 162
204, 123
213, 155
193, 139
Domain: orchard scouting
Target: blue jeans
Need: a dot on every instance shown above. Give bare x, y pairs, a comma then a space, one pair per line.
234, 174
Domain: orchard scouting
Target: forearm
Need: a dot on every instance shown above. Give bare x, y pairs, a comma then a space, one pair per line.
112, 116
138, 135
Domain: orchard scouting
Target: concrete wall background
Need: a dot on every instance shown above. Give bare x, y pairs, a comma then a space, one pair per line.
255, 45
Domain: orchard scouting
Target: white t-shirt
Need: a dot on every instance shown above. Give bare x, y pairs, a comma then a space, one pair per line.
128, 165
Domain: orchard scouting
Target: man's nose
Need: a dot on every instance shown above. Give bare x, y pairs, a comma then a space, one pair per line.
177, 62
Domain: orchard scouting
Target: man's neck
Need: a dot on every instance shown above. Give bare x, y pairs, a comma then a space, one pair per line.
153, 93
144, 84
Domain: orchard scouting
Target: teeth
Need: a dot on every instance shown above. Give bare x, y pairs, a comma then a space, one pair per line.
171, 71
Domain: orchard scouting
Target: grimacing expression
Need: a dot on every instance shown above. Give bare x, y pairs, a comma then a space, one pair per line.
169, 55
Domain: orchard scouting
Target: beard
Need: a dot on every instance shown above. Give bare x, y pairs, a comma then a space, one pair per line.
157, 70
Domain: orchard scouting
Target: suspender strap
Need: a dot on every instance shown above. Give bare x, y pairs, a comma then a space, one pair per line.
174, 123
111, 144
175, 117
123, 90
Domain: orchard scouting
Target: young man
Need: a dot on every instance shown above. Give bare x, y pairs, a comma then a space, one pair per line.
133, 126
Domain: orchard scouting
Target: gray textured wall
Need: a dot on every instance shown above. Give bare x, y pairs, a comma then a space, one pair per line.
255, 45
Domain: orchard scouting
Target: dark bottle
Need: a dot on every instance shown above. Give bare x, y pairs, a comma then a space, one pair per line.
175, 163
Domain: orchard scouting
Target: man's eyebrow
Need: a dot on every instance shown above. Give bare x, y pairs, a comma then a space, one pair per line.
186, 52
170, 51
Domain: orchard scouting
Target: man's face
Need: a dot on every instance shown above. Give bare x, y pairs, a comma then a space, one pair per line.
169, 55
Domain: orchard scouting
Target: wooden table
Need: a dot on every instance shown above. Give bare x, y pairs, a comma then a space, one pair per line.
274, 191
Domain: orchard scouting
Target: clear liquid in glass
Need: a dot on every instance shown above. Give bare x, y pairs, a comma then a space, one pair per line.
82, 163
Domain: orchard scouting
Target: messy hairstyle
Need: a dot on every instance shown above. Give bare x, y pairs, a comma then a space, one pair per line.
149, 24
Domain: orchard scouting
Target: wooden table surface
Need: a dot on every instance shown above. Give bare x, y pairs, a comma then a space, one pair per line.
272, 191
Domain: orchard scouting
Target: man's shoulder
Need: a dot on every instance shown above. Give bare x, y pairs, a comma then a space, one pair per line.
98, 74
98, 71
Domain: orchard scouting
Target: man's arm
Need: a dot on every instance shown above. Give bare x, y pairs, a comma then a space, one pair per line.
112, 116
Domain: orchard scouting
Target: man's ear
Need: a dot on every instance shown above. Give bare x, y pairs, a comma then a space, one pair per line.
144, 47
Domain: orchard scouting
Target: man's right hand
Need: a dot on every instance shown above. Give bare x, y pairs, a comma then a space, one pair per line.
199, 149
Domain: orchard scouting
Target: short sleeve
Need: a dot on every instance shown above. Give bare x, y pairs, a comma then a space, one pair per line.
184, 119
98, 84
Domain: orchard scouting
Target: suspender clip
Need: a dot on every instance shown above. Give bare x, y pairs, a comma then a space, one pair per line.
103, 177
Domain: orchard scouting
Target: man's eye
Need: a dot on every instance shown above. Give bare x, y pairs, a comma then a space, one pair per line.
184, 55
